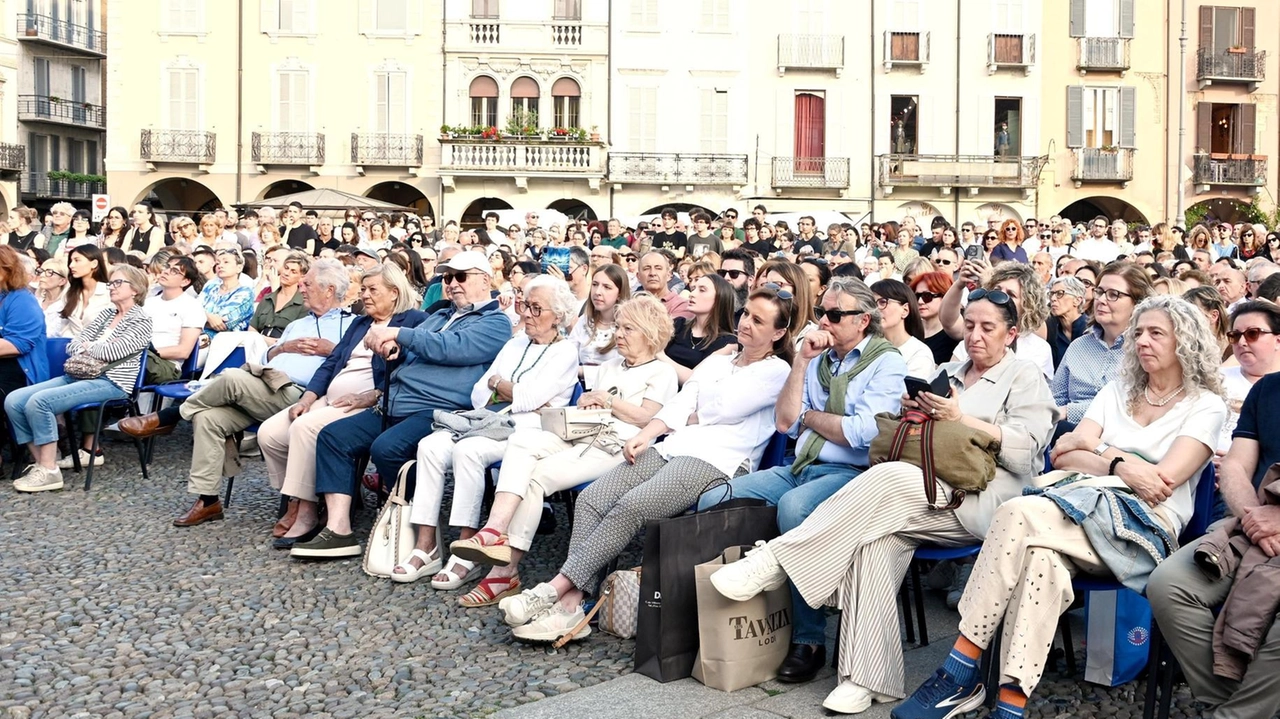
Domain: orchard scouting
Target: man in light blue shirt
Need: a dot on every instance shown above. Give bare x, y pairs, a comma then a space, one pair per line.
238, 398
844, 375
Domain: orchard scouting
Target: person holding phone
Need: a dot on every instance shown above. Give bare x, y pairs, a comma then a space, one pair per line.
1021, 283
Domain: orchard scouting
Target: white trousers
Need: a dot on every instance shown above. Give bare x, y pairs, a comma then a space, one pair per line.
469, 458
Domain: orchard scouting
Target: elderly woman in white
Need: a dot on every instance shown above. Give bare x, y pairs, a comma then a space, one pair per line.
536, 369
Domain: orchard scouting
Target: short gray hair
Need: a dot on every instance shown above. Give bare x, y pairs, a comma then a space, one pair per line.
1072, 287
331, 273
579, 255
301, 259
563, 304
393, 278
863, 296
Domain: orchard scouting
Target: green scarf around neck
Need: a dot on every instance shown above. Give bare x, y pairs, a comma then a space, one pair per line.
837, 387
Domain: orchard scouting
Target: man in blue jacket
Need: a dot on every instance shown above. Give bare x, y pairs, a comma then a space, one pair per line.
442, 359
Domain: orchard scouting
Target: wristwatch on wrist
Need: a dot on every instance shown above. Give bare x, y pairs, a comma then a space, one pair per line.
1102, 447
804, 416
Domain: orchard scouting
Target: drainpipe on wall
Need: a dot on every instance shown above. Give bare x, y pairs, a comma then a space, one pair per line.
875, 173
608, 119
444, 106
959, 21
1182, 115
239, 97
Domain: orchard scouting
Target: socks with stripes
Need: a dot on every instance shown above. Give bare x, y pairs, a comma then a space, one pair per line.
962, 662
1012, 704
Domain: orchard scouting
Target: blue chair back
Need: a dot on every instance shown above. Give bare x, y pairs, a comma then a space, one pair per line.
56, 350
577, 394
141, 381
233, 361
1204, 503
775, 452
192, 364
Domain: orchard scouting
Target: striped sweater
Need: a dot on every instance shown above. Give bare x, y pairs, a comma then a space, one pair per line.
129, 339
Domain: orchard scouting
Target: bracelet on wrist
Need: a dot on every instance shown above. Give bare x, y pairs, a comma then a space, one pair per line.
1114, 463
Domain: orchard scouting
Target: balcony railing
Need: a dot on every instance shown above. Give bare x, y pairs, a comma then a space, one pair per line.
13, 158
183, 146
386, 150
660, 168
39, 185
1010, 51
61, 32
1233, 65
810, 52
566, 35
485, 33
811, 172
959, 171
521, 157
1217, 169
287, 148
1106, 54
906, 48
49, 108
1095, 164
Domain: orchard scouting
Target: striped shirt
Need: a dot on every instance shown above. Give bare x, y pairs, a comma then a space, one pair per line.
129, 339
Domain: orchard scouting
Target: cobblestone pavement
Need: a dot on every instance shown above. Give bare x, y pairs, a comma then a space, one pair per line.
106, 610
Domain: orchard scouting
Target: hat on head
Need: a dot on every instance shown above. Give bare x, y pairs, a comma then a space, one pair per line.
468, 261
368, 253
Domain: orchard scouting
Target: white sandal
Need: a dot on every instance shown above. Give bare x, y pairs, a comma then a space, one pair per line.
430, 565
454, 581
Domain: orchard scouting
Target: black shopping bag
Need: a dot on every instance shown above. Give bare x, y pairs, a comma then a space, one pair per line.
667, 626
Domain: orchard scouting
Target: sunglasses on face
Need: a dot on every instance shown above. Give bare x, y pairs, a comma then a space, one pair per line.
927, 297
944, 263
730, 274
834, 316
446, 277
1252, 334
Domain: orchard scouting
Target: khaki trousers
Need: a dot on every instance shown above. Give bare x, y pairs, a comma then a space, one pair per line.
289, 447
230, 403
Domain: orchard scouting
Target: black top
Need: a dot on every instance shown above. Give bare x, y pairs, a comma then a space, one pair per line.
298, 236
675, 241
1058, 340
764, 248
682, 347
22, 243
941, 345
814, 242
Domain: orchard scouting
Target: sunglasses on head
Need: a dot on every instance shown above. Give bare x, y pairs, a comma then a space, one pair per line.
778, 290
1252, 334
730, 274
995, 297
834, 316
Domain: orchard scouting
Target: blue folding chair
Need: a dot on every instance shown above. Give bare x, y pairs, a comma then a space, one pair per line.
130, 405
180, 390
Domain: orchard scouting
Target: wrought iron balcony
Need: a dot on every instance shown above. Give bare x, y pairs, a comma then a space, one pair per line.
1223, 169
1104, 54
947, 171
180, 146
1096, 164
810, 52
45, 28
13, 158
662, 168
39, 185
51, 108
287, 148
553, 157
377, 149
811, 172
1011, 51
1233, 65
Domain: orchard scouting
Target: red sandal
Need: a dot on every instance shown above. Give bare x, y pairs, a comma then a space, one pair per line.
488, 546
487, 592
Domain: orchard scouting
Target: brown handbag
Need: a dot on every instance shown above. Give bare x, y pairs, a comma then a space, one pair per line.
917, 439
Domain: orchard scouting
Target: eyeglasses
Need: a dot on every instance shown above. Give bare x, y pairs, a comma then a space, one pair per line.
1087, 283
1111, 295
995, 297
883, 302
630, 258
834, 316
50, 273
730, 274
459, 277
1045, 236
117, 283
533, 310
927, 297
1057, 294
1252, 334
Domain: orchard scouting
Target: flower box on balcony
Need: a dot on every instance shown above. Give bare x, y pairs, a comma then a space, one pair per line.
1238, 50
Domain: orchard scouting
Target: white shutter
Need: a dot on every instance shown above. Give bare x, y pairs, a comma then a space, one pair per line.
389, 102
644, 13
381, 104
1075, 116
390, 15
366, 21
906, 15
715, 121
185, 15
413, 17
1008, 19
643, 118
272, 15
184, 99
715, 14
1128, 116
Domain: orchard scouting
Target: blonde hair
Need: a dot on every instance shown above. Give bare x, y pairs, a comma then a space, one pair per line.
268, 229
393, 278
136, 278
650, 317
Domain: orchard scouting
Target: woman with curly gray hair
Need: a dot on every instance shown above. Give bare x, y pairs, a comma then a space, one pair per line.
1023, 285
1133, 462
535, 369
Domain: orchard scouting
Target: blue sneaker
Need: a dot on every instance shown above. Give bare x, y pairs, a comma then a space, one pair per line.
940, 697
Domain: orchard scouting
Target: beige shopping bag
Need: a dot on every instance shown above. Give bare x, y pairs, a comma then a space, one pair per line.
740, 644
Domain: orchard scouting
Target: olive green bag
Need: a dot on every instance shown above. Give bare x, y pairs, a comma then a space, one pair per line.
969, 455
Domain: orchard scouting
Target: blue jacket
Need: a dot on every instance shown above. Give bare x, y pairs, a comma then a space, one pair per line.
337, 359
441, 366
22, 323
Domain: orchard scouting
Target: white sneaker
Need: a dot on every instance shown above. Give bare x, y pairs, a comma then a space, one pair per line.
39, 479
757, 572
526, 605
551, 624
850, 698
70, 462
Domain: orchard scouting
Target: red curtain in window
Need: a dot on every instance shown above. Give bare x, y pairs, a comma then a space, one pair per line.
810, 133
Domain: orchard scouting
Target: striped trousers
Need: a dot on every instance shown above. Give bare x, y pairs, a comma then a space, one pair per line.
853, 553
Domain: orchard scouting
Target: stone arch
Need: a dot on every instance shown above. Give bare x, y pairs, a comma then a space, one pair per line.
403, 194
179, 194
1113, 208
473, 216
283, 187
574, 208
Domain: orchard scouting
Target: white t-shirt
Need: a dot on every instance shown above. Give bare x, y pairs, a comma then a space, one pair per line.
170, 317
919, 358
653, 380
1030, 347
1236, 387
590, 345
1200, 418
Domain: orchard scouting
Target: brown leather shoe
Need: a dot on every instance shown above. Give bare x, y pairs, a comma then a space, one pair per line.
199, 514
286, 522
148, 425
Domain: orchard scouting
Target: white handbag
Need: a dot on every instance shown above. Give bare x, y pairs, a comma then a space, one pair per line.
573, 423
392, 538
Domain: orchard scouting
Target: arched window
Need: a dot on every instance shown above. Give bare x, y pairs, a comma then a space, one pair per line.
484, 101
524, 95
565, 100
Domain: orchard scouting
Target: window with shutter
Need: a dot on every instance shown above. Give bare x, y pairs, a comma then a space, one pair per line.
715, 121
484, 101
1075, 117
1245, 140
715, 15
391, 15
568, 10
184, 99
905, 15
91, 157
389, 103
642, 125
1204, 127
294, 16
293, 106
1225, 28
183, 16
1008, 16
484, 9
644, 14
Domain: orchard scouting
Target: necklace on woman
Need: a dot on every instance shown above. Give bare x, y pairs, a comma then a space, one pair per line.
1162, 401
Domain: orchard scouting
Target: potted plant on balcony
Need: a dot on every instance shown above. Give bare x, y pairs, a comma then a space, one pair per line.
1109, 149
558, 133
577, 134
489, 133
595, 133
522, 124
1237, 49
446, 132
55, 99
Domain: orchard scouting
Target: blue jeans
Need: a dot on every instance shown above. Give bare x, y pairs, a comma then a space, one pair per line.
33, 411
795, 496
341, 443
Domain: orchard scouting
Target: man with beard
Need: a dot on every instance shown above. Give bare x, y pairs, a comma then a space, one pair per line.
738, 269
